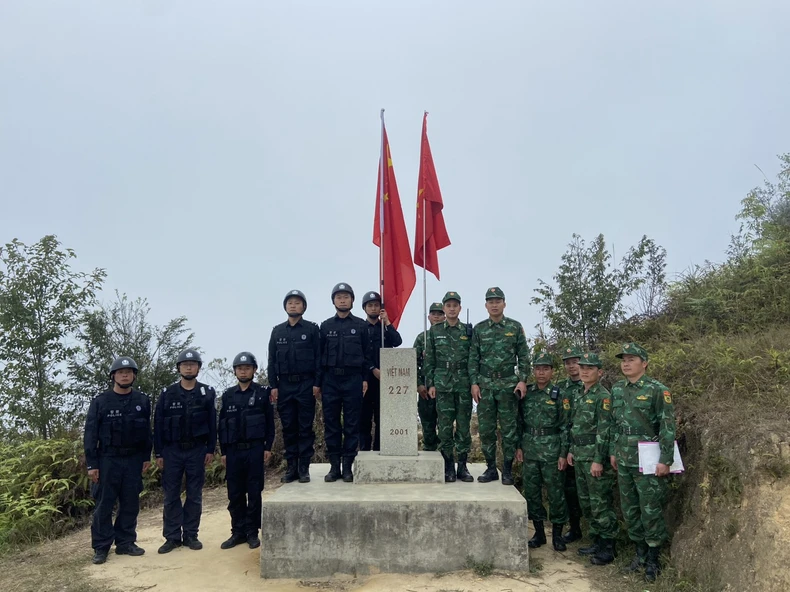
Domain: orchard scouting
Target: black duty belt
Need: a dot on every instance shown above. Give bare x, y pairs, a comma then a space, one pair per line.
115, 450
244, 445
187, 445
346, 371
299, 377
583, 439
542, 431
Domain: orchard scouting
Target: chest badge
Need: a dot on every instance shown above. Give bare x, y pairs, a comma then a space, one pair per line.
304, 337
550, 402
139, 408
353, 331
642, 398
589, 401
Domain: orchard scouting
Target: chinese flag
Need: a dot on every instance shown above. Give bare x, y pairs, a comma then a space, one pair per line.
429, 211
397, 269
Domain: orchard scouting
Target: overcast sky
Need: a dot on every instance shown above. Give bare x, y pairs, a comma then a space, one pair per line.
212, 156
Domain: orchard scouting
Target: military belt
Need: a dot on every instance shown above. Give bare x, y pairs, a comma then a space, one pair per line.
300, 377
346, 371
187, 445
243, 445
583, 439
543, 431
640, 431
505, 374
121, 451
453, 365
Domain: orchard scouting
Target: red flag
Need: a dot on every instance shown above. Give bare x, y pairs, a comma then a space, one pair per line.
429, 211
397, 269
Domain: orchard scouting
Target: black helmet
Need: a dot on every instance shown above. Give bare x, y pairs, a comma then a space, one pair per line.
243, 358
342, 288
121, 363
298, 294
189, 355
371, 297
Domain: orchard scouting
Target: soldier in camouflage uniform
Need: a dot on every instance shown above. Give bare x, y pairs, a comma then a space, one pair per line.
426, 407
570, 389
643, 410
498, 369
447, 379
543, 429
591, 424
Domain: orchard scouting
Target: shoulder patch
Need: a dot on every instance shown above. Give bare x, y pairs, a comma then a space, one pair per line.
607, 404
667, 398
566, 404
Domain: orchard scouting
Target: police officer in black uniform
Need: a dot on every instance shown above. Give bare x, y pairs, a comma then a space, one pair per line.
293, 369
345, 368
117, 452
371, 405
246, 433
185, 437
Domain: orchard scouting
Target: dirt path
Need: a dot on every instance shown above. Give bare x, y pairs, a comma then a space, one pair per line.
237, 569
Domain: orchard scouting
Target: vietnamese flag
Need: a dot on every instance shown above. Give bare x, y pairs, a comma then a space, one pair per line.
431, 234
389, 234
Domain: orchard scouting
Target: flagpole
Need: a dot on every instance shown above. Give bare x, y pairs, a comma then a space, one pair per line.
381, 221
424, 273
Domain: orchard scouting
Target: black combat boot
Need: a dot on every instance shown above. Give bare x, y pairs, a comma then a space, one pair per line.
463, 473
556, 537
235, 539
652, 564
490, 474
605, 554
575, 533
507, 472
304, 470
348, 462
130, 549
100, 556
638, 563
449, 468
334, 469
592, 549
540, 535
291, 473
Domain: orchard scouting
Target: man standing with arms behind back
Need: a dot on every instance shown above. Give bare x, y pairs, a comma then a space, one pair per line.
499, 345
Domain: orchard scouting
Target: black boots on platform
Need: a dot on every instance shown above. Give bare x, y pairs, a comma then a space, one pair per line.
291, 473
491, 473
463, 474
334, 469
449, 468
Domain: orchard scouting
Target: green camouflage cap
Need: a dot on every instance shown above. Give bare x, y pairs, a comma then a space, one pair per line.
452, 296
590, 359
436, 307
495, 293
633, 349
543, 359
573, 351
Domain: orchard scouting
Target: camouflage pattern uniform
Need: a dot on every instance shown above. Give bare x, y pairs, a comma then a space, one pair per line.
591, 422
571, 389
426, 408
446, 369
498, 360
543, 428
643, 411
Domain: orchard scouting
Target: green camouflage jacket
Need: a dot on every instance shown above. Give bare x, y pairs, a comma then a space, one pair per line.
447, 358
543, 424
591, 424
497, 349
643, 411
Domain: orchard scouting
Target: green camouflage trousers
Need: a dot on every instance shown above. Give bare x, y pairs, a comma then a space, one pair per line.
596, 497
571, 496
426, 408
503, 403
642, 501
534, 475
454, 408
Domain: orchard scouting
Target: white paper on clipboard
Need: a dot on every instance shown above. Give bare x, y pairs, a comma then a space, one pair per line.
649, 455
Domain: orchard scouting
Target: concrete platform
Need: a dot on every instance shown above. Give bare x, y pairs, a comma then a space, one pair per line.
373, 467
317, 529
